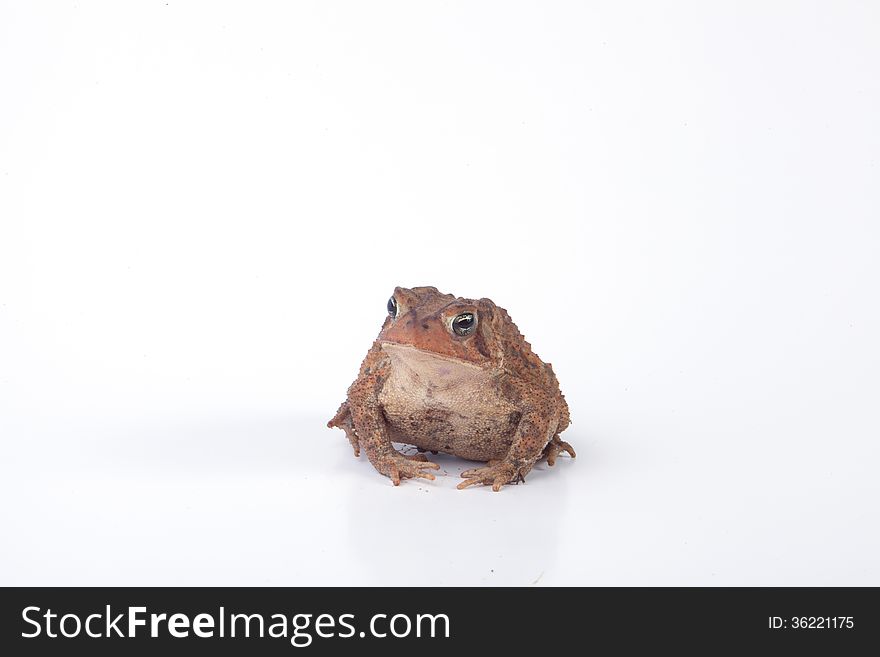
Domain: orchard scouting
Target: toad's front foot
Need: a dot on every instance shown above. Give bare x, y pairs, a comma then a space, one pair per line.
495, 474
397, 466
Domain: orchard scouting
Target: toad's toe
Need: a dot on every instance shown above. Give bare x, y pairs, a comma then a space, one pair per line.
555, 447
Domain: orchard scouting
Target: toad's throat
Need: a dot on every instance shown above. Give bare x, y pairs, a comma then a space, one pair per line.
433, 369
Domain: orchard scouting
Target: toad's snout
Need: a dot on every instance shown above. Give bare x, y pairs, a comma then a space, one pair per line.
423, 332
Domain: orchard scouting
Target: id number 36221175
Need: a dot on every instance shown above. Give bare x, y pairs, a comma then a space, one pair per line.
811, 623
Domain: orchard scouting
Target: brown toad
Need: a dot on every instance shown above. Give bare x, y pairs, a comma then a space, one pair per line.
453, 375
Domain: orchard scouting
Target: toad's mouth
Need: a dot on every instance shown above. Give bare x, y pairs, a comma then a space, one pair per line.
428, 363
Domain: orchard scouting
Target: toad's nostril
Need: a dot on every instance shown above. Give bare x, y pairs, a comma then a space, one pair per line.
425, 325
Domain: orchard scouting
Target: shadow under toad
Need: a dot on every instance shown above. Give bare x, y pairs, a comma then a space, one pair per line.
429, 533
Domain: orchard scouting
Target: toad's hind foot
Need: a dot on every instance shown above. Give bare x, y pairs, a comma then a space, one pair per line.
343, 420
555, 447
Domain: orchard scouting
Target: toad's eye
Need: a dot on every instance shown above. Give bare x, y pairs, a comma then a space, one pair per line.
392, 307
464, 324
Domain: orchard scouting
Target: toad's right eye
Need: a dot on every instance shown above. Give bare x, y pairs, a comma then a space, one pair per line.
392, 307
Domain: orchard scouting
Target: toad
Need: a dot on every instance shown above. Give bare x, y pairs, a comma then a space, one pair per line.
453, 375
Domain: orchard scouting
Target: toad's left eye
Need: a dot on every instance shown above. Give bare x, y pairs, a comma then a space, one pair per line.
464, 324
392, 307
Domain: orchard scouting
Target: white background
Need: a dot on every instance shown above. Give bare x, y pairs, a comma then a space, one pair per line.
205, 206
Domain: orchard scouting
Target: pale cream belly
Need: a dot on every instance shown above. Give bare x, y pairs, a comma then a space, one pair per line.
446, 406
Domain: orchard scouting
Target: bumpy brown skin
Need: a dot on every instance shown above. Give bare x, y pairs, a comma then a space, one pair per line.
484, 396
